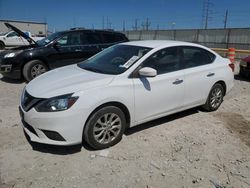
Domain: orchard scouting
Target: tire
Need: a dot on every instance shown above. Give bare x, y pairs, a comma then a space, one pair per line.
99, 132
215, 98
2, 45
33, 69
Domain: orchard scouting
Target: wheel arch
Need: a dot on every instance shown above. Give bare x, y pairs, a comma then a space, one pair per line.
33, 59
3, 43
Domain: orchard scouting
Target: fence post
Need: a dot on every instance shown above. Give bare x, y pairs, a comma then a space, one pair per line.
228, 37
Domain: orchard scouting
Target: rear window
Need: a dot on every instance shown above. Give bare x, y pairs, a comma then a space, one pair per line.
91, 38
112, 38
194, 56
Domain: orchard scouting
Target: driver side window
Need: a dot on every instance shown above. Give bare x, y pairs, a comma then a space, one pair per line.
164, 61
70, 39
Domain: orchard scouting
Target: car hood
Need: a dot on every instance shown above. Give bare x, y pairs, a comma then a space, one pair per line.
65, 80
30, 40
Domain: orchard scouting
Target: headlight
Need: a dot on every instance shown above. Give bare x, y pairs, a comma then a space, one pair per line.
12, 54
243, 63
55, 104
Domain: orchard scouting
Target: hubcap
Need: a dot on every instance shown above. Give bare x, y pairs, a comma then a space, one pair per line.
107, 128
37, 70
216, 97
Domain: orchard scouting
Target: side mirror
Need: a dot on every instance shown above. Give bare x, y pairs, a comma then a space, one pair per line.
56, 45
147, 72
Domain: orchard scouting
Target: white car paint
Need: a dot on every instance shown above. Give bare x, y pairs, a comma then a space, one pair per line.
12, 39
145, 98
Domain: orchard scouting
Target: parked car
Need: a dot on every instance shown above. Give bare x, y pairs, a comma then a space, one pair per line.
120, 87
59, 49
13, 39
245, 66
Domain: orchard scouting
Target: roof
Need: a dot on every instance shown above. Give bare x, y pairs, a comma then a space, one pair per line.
23, 21
159, 43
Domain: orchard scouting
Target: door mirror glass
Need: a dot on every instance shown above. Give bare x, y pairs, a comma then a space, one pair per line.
147, 72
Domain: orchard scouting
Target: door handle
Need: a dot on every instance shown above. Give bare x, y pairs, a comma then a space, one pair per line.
78, 50
177, 81
210, 74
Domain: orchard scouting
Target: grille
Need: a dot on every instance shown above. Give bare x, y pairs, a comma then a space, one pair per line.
29, 101
53, 135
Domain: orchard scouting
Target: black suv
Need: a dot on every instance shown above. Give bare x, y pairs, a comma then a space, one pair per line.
59, 49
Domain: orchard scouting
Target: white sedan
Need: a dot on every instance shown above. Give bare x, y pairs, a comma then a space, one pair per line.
120, 87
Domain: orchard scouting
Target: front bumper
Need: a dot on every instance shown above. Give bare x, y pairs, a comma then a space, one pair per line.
8, 70
55, 128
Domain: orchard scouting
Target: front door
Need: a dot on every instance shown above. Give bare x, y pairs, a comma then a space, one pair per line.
156, 96
67, 50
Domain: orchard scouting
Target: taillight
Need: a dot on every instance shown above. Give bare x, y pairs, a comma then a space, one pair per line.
232, 66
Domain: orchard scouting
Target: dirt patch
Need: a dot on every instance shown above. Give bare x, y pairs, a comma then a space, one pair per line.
236, 124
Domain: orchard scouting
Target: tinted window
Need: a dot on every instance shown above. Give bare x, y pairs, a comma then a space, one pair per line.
91, 38
119, 38
109, 38
70, 39
193, 56
164, 61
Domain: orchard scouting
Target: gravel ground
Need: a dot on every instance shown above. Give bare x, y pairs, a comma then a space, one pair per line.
189, 149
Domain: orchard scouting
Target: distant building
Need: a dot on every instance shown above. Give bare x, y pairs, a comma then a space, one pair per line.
35, 28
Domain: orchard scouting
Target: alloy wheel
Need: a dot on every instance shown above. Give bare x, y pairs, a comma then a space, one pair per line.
107, 128
216, 97
37, 70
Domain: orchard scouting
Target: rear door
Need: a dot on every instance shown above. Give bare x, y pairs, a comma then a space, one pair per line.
200, 74
91, 42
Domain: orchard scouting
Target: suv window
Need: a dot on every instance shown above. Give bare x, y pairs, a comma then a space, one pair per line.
111, 38
70, 39
91, 38
194, 56
164, 61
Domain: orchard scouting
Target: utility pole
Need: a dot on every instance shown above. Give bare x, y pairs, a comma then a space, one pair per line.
147, 24
103, 22
107, 27
123, 24
225, 21
135, 27
206, 13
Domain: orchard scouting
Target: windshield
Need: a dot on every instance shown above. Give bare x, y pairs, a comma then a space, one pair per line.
2, 34
48, 39
114, 60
